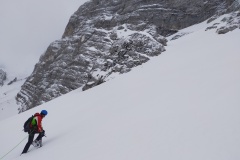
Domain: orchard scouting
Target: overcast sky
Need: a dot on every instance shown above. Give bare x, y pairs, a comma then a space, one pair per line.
27, 27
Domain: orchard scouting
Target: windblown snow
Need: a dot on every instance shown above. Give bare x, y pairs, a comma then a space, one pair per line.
181, 105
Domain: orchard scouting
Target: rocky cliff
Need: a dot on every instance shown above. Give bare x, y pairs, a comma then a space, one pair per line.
104, 37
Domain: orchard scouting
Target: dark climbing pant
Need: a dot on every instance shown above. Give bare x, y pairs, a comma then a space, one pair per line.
30, 140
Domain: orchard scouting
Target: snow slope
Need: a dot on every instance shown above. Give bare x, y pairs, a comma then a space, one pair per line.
27, 28
181, 105
8, 106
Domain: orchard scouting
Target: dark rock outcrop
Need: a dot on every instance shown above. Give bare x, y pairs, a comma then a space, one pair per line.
3, 76
11, 82
109, 36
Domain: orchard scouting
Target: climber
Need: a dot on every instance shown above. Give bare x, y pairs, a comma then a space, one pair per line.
35, 128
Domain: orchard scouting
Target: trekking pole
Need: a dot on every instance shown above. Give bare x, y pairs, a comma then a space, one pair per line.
14, 147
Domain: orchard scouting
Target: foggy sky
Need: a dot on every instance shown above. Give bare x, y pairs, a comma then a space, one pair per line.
27, 27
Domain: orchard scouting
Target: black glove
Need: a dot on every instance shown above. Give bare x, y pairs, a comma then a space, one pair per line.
42, 133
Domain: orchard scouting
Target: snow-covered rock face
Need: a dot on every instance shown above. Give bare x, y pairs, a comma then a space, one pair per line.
109, 36
229, 23
3, 76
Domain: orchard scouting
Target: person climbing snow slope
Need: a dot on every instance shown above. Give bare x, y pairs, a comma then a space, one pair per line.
35, 128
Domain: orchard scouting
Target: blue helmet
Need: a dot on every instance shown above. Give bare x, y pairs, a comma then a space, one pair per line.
44, 112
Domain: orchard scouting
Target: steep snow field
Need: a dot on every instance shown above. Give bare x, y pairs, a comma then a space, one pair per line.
181, 105
8, 106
